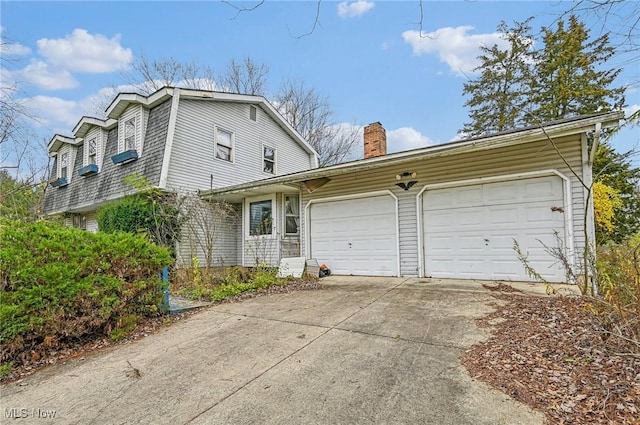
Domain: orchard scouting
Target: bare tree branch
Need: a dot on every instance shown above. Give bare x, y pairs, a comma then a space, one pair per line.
316, 22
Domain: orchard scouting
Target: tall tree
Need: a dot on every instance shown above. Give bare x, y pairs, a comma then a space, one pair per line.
307, 111
568, 78
245, 77
311, 115
148, 76
498, 96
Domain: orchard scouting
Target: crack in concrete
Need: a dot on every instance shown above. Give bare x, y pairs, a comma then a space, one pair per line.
327, 330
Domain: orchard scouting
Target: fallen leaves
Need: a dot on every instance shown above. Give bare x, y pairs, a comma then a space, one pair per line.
548, 352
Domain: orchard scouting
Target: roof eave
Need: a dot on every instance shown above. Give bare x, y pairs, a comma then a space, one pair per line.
490, 142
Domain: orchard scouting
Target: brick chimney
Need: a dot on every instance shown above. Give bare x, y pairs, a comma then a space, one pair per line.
375, 140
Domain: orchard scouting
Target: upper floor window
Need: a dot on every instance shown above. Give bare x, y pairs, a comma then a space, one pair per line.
253, 113
268, 160
130, 134
224, 145
64, 165
93, 151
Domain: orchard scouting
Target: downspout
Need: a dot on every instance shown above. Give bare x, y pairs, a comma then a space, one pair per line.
589, 208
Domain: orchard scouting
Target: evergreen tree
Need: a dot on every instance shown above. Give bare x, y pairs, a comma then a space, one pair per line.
499, 94
567, 79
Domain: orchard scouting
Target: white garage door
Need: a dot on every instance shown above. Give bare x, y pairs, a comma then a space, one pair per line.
355, 236
469, 230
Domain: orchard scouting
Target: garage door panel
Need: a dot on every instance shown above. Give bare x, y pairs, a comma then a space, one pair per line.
479, 237
355, 236
541, 189
499, 193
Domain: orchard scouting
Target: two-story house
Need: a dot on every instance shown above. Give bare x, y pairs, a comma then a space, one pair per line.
453, 210
183, 140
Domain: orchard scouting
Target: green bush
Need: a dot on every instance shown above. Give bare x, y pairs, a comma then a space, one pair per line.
151, 212
214, 285
61, 285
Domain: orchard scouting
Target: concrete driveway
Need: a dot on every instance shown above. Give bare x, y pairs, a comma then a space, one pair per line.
358, 351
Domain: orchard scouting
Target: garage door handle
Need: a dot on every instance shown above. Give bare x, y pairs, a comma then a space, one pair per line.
486, 242
349, 244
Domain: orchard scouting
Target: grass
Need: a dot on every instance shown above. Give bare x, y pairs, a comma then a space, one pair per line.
220, 283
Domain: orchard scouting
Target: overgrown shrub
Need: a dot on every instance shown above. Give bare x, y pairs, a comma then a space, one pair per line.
619, 282
151, 212
62, 285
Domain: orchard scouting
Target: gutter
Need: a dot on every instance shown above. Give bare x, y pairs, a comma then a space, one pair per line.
454, 148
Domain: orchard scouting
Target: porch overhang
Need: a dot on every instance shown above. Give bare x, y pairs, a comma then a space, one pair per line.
238, 195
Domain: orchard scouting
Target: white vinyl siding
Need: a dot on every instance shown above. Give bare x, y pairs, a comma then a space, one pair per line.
193, 165
521, 158
226, 237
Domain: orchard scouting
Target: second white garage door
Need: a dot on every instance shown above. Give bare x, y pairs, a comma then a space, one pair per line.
356, 236
469, 231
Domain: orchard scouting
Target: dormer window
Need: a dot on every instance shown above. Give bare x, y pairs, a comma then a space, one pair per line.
131, 127
64, 165
93, 151
130, 134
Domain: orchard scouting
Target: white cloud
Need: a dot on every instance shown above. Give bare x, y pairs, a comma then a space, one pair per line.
46, 77
405, 138
84, 52
57, 114
454, 46
352, 9
13, 49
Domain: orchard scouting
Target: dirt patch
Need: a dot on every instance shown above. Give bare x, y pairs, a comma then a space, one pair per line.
548, 352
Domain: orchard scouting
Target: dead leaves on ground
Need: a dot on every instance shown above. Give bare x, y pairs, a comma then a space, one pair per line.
548, 352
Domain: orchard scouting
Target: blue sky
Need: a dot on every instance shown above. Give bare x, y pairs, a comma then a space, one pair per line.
365, 56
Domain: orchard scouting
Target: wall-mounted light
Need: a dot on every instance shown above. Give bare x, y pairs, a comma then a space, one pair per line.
411, 174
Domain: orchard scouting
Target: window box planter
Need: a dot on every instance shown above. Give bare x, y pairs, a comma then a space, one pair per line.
59, 182
126, 156
88, 170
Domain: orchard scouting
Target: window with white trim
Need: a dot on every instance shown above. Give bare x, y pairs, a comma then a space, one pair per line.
130, 134
261, 217
224, 144
80, 221
268, 159
253, 113
64, 165
92, 146
292, 215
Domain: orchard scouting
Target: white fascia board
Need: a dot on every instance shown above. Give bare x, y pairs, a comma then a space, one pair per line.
577, 126
58, 140
122, 100
85, 124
